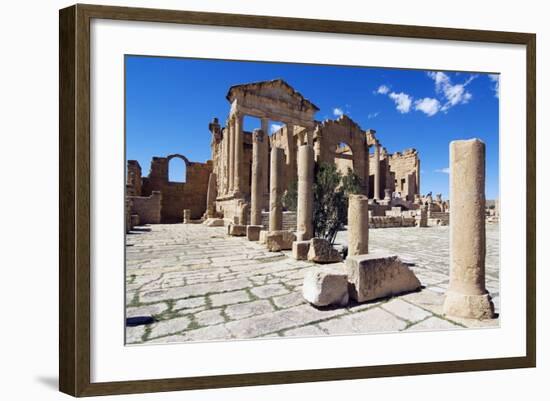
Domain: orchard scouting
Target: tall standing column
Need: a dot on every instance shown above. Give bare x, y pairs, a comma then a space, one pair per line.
259, 174
377, 171
231, 146
358, 225
276, 190
467, 295
223, 161
304, 217
239, 155
291, 155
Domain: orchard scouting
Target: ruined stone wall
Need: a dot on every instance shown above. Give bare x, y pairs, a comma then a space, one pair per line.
399, 173
328, 137
391, 221
178, 196
405, 168
386, 176
343, 163
147, 207
133, 178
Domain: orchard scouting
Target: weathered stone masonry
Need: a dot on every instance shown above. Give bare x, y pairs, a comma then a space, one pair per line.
176, 196
341, 142
219, 187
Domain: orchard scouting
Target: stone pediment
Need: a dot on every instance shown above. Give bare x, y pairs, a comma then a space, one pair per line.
275, 91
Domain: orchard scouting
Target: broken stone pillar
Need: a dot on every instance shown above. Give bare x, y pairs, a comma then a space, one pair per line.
134, 218
358, 225
377, 171
211, 195
253, 232
304, 212
187, 215
387, 194
467, 295
279, 240
300, 250
260, 146
236, 230
422, 217
239, 155
276, 190
242, 213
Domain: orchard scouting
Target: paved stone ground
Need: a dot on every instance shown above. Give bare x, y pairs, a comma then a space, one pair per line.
201, 284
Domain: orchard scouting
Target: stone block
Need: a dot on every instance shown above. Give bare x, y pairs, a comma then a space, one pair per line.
327, 285
253, 232
300, 250
213, 222
237, 230
186, 215
263, 236
134, 220
321, 251
280, 240
374, 276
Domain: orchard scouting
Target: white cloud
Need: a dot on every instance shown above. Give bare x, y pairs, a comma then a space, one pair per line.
453, 93
373, 115
444, 170
382, 89
495, 78
338, 112
275, 127
402, 101
428, 105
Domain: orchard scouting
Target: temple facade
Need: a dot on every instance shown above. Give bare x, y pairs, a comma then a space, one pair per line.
383, 176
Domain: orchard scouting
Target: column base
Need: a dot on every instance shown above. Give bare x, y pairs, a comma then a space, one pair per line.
468, 306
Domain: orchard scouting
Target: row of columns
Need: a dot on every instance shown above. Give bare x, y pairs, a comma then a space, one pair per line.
467, 295
233, 151
304, 216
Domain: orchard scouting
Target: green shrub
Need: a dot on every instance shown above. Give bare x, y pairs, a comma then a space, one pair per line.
290, 197
330, 199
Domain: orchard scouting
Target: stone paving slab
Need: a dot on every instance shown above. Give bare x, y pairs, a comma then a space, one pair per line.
203, 285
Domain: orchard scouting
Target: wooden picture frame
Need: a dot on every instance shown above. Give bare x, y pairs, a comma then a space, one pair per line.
74, 203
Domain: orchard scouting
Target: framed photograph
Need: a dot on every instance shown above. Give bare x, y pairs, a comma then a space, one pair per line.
250, 200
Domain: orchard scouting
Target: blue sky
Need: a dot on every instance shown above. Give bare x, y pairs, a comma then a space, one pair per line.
170, 101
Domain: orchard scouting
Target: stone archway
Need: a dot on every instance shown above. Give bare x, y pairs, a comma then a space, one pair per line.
181, 157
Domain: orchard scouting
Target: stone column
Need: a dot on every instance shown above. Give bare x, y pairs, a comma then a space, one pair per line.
265, 156
239, 155
211, 196
304, 217
358, 225
377, 171
259, 172
291, 155
276, 190
231, 159
467, 295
